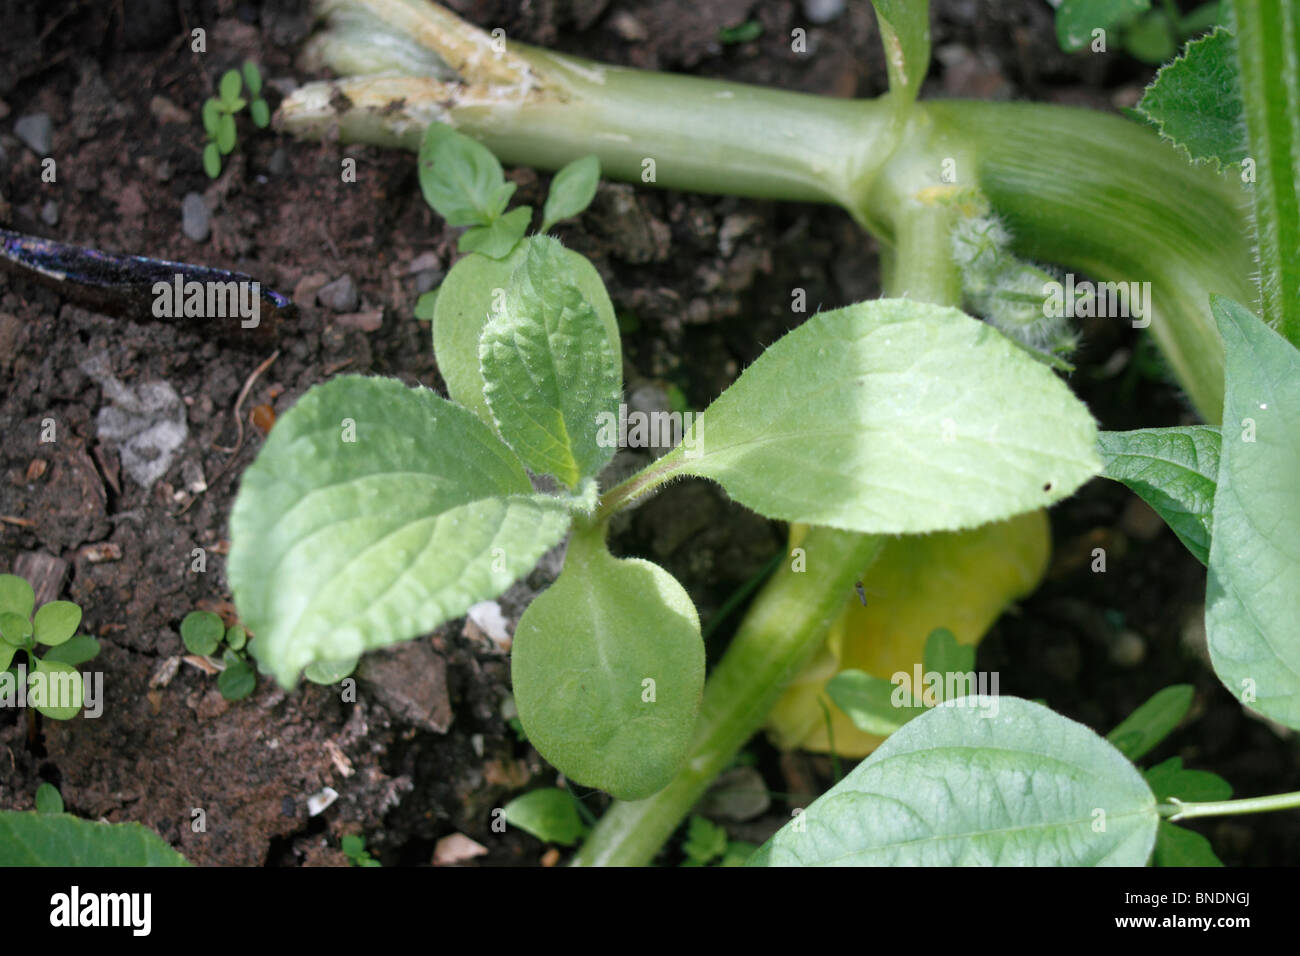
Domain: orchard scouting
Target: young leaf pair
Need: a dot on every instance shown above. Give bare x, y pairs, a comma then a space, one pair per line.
53, 625
463, 182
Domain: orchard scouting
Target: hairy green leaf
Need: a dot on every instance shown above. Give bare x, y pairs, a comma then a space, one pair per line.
892, 416
1152, 722
460, 178
548, 814
1195, 101
572, 190
499, 238
373, 513
958, 787
58, 839
550, 371
905, 32
608, 669
473, 291
1174, 470
1252, 600
1076, 19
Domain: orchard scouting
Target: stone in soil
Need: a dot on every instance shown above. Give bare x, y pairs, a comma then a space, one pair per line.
196, 221
36, 132
340, 295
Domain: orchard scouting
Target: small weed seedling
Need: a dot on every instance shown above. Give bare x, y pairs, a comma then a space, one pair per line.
219, 113
354, 848
53, 683
1149, 32
204, 633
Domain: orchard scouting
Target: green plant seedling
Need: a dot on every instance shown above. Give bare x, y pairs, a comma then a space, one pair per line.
416, 507
219, 113
1151, 34
204, 633
550, 814
52, 684
48, 836
354, 848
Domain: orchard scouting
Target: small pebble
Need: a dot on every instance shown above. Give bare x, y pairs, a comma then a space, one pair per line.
50, 213
1129, 650
36, 132
278, 164
822, 11
369, 321
428, 280
305, 292
196, 221
340, 295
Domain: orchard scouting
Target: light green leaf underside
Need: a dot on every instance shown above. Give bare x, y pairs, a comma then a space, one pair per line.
1252, 601
954, 788
1174, 470
1195, 101
472, 291
582, 655
894, 416
339, 547
59, 839
549, 369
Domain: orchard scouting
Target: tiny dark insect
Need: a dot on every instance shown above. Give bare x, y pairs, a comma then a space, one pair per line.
862, 593
123, 286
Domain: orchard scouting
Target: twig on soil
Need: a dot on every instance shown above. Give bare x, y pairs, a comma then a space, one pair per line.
21, 522
239, 426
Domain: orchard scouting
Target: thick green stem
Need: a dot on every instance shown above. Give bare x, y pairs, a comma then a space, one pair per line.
1267, 44
1177, 810
782, 630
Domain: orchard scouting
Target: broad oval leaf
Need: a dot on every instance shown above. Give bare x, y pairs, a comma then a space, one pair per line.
473, 291
1252, 598
202, 631
77, 651
16, 595
550, 371
979, 781
608, 671
373, 513
572, 191
55, 622
55, 689
894, 417
1174, 470
59, 839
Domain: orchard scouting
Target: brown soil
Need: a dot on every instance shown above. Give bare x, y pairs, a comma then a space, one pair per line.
701, 284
